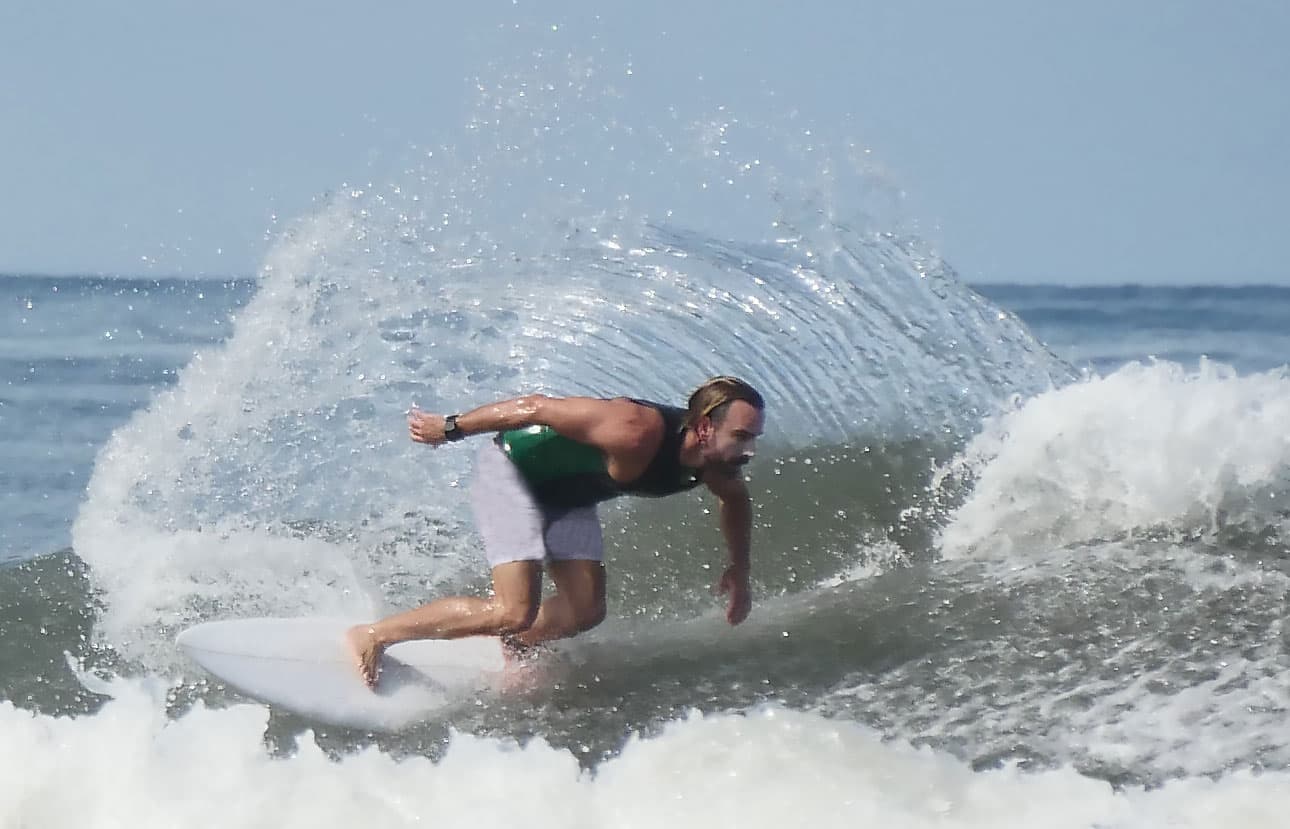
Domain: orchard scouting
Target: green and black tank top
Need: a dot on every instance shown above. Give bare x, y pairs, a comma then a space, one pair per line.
563, 473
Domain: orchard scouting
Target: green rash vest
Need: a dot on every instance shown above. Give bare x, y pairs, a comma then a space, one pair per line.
563, 473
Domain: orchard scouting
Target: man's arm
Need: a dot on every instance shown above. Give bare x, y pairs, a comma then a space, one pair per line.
736, 527
617, 427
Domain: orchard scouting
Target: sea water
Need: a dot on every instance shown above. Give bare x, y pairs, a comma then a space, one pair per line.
1019, 552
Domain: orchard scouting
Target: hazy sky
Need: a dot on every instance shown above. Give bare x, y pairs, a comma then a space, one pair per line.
1036, 142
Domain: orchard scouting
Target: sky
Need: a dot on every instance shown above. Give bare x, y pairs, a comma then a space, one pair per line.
1034, 142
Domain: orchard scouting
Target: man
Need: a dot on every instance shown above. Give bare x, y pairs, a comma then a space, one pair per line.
534, 497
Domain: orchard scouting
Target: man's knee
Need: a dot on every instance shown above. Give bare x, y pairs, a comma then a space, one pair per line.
516, 617
588, 616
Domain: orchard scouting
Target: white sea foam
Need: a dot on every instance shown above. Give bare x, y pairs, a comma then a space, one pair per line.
131, 764
1149, 446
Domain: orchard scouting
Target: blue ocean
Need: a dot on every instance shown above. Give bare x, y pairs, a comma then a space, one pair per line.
1020, 554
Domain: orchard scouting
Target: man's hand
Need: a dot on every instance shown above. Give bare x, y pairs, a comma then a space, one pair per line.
734, 582
426, 428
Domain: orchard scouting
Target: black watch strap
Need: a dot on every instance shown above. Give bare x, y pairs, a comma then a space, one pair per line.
451, 431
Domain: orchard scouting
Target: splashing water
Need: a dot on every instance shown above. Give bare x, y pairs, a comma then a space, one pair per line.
276, 476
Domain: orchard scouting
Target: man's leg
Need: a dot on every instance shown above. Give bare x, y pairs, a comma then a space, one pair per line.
512, 609
578, 604
574, 546
517, 590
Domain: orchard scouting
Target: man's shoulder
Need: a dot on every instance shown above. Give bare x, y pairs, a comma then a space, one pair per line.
645, 422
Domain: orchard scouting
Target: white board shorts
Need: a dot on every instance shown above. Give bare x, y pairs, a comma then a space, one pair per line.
515, 527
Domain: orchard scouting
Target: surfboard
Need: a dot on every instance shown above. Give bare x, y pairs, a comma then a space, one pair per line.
302, 665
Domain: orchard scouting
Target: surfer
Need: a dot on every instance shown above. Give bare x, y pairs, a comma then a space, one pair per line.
551, 460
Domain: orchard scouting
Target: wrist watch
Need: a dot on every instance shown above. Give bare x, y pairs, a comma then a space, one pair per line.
451, 431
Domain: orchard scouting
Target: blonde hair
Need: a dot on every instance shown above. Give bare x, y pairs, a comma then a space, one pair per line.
715, 396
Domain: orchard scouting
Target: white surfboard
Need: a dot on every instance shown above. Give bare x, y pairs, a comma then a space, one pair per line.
303, 665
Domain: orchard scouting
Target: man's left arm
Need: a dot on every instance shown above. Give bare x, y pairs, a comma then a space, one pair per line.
736, 527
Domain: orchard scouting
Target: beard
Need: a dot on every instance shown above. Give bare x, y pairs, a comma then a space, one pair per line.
728, 469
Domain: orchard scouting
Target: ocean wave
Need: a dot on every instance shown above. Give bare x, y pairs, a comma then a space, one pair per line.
1152, 448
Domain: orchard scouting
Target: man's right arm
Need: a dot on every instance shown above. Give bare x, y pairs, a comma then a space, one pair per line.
516, 413
613, 426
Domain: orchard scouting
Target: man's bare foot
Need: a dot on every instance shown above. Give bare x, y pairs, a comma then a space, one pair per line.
526, 671
362, 644
517, 653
